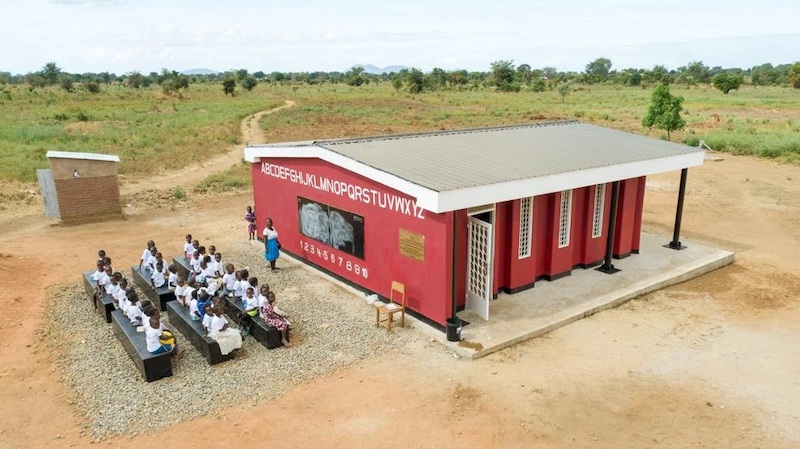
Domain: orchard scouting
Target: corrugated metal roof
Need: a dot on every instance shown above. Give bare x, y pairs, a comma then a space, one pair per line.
454, 160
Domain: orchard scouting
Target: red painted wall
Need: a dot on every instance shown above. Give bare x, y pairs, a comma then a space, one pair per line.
542, 230
502, 243
595, 248
626, 214
278, 182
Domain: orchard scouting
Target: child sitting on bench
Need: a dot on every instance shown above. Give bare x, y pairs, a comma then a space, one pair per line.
146, 253
157, 277
228, 339
172, 277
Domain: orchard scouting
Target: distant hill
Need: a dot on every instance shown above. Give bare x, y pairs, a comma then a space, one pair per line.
200, 72
374, 70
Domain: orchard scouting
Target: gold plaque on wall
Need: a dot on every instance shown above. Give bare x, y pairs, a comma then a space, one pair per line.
412, 245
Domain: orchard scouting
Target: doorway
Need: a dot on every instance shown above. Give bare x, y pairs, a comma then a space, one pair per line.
480, 259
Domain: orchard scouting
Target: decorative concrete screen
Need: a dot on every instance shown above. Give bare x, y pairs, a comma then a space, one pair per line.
86, 186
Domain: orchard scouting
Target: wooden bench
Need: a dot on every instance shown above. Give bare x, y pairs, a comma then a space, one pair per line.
106, 304
266, 335
152, 366
193, 330
159, 296
183, 266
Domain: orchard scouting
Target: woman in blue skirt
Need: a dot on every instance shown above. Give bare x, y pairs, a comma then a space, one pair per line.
272, 245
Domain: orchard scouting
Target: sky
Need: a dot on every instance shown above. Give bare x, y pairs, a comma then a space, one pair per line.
122, 36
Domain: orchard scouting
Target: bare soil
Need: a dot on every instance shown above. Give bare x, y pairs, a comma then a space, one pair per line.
709, 363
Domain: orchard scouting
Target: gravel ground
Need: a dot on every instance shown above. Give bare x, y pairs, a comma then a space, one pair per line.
331, 329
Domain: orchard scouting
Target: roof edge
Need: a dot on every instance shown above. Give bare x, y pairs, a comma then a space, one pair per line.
84, 156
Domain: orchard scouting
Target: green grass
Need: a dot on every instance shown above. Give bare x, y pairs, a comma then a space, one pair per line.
148, 130
152, 132
756, 121
234, 178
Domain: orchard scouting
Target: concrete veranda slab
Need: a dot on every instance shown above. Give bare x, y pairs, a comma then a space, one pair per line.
550, 305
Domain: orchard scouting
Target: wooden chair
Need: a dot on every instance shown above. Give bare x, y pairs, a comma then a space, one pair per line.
392, 307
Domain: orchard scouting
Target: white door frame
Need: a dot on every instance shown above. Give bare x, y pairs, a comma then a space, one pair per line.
480, 261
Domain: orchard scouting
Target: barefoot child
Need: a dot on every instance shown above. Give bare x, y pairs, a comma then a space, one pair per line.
273, 319
250, 217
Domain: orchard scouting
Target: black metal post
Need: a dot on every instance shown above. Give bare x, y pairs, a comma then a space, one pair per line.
607, 266
455, 263
676, 233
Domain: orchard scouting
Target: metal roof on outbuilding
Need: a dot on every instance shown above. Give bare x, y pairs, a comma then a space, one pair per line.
452, 160
453, 170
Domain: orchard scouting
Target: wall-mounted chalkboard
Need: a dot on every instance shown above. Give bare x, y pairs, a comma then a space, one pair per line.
332, 226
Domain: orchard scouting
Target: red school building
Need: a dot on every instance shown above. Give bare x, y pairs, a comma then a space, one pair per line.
459, 216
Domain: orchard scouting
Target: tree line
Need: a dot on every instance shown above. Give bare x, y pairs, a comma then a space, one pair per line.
504, 75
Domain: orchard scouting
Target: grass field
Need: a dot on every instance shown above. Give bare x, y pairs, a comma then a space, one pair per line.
148, 130
762, 121
152, 132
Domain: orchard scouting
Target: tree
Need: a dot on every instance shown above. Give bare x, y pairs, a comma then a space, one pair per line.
794, 75
763, 75
50, 73
136, 80
664, 111
249, 82
598, 70
92, 87
563, 90
726, 82
355, 76
65, 81
695, 72
416, 81
503, 76
397, 83
229, 85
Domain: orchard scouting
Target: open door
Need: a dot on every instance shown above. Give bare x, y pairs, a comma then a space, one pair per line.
480, 252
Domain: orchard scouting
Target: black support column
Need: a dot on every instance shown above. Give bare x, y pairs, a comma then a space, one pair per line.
607, 266
676, 233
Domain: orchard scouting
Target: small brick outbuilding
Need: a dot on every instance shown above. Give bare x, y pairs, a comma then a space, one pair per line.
85, 187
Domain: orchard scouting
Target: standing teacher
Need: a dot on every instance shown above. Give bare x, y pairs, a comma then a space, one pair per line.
272, 245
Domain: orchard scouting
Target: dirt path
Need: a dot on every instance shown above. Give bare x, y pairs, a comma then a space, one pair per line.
187, 177
709, 363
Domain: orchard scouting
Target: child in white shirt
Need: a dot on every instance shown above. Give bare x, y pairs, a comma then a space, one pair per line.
193, 312
157, 278
239, 286
180, 290
207, 318
194, 264
228, 280
188, 249
188, 293
219, 269
228, 339
151, 259
146, 253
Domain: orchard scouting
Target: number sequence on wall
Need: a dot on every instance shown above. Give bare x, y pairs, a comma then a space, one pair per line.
331, 259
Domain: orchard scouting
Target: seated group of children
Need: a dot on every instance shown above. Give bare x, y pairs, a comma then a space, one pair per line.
220, 279
143, 313
160, 273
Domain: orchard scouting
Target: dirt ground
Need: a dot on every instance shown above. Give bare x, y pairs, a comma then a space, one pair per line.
712, 363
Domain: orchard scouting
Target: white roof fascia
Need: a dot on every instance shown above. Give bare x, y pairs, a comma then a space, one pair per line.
426, 198
89, 156
521, 188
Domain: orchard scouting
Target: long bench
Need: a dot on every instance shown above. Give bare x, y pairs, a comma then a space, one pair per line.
152, 367
183, 266
106, 304
159, 296
266, 335
193, 330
